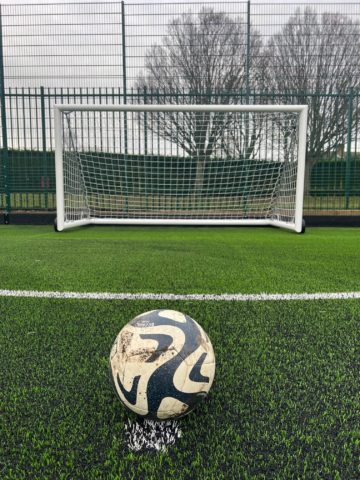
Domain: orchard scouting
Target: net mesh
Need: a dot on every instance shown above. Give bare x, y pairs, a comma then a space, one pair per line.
180, 165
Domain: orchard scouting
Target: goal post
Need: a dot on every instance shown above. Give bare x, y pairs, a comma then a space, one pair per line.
180, 164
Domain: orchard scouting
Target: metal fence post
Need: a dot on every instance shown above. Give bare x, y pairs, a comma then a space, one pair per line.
248, 52
4, 150
123, 42
348, 153
247, 101
43, 131
145, 124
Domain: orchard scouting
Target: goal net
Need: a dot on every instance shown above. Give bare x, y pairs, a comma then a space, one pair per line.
180, 164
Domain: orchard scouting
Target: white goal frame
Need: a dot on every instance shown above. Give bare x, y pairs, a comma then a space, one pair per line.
296, 225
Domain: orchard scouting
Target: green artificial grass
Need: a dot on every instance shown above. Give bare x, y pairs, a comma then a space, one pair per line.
180, 260
284, 403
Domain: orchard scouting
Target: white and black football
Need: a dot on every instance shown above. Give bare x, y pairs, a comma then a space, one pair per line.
162, 364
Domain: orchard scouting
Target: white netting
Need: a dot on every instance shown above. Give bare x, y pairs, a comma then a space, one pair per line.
180, 165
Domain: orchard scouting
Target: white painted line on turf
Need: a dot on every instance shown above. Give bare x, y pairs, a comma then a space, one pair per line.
224, 297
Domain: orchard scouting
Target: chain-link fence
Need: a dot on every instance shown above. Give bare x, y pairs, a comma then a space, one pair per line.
193, 52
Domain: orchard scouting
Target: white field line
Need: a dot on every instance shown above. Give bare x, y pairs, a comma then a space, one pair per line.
224, 297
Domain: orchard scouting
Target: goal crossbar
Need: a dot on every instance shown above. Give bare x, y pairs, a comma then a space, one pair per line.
68, 107
130, 178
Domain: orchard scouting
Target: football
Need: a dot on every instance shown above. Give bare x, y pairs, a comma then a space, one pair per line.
162, 364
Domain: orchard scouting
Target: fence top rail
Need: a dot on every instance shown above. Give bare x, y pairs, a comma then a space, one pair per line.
179, 108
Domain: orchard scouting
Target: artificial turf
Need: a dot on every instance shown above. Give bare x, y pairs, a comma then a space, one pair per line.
285, 401
180, 260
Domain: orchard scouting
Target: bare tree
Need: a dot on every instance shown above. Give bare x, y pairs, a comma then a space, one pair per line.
315, 59
202, 60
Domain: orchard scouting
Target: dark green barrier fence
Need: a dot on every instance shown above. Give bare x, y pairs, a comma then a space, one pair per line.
328, 178
31, 181
32, 178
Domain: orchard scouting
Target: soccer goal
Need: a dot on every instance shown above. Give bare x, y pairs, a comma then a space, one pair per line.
180, 164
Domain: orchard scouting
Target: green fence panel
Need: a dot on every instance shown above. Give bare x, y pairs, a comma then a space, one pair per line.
119, 52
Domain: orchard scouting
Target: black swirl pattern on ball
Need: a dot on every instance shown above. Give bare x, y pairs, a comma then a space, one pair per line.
157, 389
